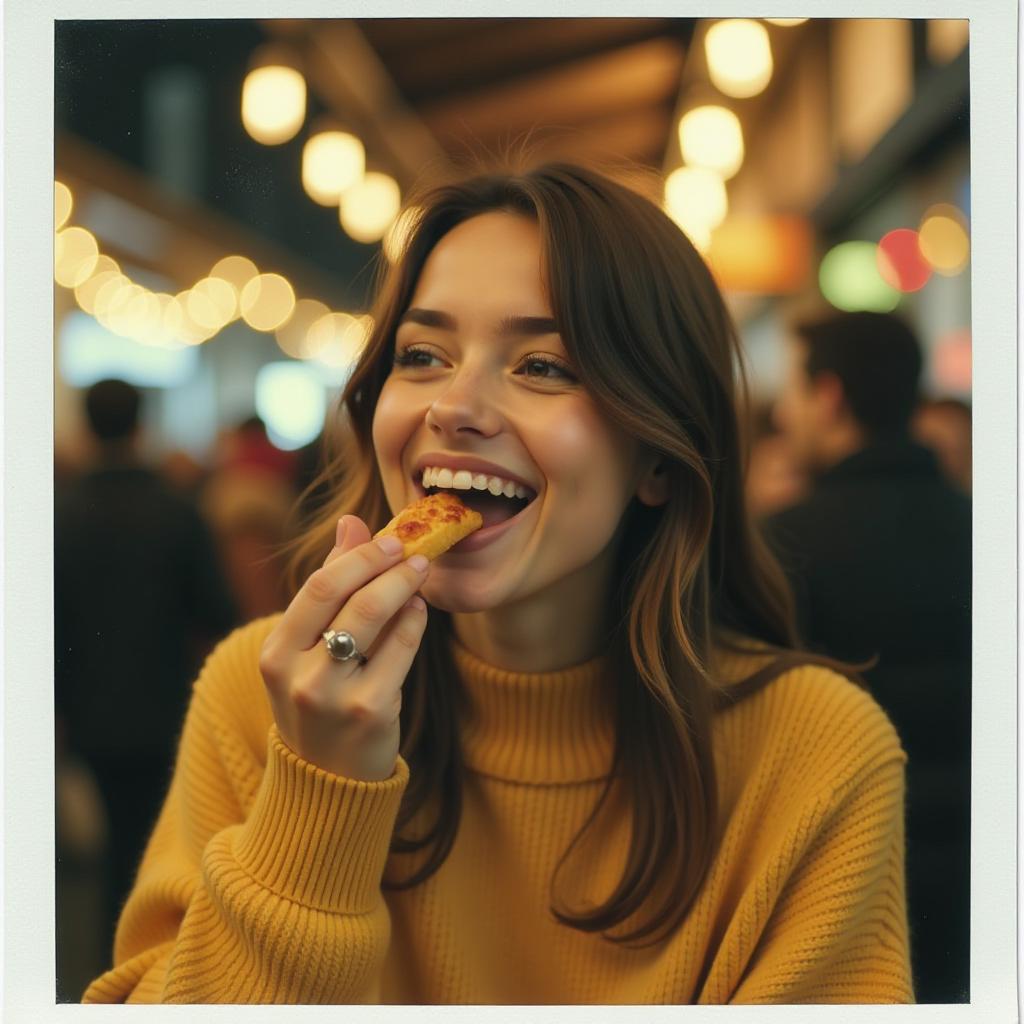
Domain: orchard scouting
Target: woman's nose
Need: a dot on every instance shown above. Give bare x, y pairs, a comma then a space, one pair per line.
466, 404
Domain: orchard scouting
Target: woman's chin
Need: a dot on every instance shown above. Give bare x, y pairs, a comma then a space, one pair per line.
457, 597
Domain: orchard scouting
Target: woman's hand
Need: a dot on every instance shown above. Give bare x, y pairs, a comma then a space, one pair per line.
343, 716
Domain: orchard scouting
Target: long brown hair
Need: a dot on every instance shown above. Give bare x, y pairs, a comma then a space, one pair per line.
645, 326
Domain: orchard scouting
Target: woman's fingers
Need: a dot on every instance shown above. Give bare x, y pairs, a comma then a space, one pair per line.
350, 533
374, 605
397, 644
320, 598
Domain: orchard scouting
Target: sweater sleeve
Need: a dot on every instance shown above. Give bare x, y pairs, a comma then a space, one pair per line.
261, 881
838, 933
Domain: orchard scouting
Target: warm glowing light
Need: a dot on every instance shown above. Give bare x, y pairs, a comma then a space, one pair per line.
107, 291
324, 334
273, 103
75, 253
291, 335
763, 255
368, 207
739, 56
849, 279
178, 322
695, 198
267, 301
943, 238
212, 303
118, 314
712, 137
900, 261
62, 203
331, 162
337, 340
786, 22
85, 293
238, 271
398, 235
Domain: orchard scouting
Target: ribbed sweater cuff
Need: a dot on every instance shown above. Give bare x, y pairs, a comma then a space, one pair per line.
319, 839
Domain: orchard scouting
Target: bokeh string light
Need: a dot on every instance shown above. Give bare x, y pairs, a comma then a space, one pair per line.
711, 137
234, 287
739, 57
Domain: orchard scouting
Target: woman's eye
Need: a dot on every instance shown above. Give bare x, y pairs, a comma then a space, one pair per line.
545, 368
414, 357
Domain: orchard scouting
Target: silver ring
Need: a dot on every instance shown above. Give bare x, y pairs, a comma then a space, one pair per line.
341, 646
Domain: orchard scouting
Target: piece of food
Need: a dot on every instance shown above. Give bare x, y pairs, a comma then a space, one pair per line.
433, 524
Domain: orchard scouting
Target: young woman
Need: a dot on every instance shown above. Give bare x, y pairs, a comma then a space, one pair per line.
576, 759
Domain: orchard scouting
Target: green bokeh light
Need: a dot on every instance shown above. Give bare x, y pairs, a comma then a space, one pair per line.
849, 279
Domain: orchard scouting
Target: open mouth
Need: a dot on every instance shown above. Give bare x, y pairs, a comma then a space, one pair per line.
495, 499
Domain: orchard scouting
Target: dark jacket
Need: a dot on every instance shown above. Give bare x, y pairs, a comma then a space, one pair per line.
139, 594
880, 560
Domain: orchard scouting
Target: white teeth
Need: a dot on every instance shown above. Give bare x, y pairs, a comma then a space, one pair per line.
464, 480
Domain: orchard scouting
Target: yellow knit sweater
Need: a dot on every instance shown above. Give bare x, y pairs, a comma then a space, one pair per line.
261, 882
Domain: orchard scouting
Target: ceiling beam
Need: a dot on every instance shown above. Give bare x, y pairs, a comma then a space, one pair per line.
522, 47
643, 73
349, 78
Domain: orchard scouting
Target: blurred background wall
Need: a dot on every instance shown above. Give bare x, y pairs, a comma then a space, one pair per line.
818, 163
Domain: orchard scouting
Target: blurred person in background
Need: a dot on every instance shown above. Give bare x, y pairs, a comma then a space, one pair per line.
775, 477
139, 599
944, 425
879, 555
248, 499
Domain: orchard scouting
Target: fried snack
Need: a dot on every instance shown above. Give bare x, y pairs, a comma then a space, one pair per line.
433, 524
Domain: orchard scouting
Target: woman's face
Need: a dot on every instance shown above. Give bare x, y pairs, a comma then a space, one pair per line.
482, 387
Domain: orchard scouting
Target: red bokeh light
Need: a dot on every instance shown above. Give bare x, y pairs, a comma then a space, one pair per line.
900, 261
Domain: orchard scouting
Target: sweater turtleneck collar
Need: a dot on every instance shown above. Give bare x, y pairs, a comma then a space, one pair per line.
549, 727
537, 727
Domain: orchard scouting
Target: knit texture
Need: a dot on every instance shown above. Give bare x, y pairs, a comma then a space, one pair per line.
262, 879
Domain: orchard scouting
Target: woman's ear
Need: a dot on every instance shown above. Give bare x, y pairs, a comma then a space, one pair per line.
652, 488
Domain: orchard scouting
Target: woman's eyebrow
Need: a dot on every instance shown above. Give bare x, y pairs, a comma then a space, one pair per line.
428, 318
530, 325
508, 326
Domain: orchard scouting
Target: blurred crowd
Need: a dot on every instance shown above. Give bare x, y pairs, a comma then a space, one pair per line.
861, 487
154, 562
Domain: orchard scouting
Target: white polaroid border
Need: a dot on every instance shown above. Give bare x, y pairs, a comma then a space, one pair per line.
28, 938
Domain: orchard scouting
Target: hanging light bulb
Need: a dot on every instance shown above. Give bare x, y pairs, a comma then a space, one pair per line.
273, 97
368, 207
739, 56
332, 161
695, 196
712, 137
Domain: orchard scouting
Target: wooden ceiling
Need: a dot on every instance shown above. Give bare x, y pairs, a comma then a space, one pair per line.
583, 88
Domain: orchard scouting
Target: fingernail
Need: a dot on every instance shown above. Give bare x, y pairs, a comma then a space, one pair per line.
339, 533
416, 602
389, 545
419, 562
